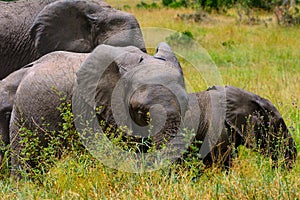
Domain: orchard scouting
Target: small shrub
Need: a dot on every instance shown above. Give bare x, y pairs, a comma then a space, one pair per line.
184, 38
176, 3
287, 15
198, 16
40, 154
126, 7
153, 5
167, 2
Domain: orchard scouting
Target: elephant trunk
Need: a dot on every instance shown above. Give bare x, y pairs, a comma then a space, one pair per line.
157, 113
168, 132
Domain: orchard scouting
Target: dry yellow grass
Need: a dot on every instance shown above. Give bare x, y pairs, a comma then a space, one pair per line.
262, 59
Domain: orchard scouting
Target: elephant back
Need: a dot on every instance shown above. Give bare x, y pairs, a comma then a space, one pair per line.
46, 85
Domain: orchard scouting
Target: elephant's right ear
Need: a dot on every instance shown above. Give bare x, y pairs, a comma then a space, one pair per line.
165, 52
103, 68
64, 25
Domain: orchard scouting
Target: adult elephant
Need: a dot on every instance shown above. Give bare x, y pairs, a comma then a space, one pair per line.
9, 85
121, 76
31, 29
248, 119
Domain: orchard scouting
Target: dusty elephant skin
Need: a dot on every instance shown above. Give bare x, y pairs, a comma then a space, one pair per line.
42, 67
36, 102
36, 99
31, 29
8, 88
248, 120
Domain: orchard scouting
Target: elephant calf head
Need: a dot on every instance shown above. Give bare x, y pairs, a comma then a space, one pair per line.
144, 93
247, 120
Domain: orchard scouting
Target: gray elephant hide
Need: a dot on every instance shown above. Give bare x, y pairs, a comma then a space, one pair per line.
31, 29
248, 120
109, 78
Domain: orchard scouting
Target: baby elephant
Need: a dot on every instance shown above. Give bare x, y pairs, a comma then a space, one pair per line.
121, 76
246, 119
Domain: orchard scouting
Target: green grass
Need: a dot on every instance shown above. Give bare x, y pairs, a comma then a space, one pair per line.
260, 59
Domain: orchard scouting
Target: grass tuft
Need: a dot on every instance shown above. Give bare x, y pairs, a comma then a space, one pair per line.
261, 59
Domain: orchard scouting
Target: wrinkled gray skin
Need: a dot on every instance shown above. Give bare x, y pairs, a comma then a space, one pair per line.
45, 66
31, 29
8, 88
249, 120
36, 102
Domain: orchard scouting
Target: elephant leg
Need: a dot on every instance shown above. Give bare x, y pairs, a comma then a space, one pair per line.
4, 124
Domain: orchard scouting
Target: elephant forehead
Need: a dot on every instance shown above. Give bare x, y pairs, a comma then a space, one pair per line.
93, 4
155, 72
128, 61
62, 58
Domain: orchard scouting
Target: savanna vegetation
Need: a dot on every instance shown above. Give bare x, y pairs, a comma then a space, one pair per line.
252, 51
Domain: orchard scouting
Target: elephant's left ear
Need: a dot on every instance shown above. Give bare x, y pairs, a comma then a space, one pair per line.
64, 25
243, 106
165, 52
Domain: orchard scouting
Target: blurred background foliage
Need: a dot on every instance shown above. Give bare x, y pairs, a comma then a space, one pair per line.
287, 12
219, 4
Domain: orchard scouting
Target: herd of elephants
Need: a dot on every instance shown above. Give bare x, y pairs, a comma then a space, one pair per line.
48, 46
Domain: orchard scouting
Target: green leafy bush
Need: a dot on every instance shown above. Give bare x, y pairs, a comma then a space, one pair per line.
176, 3
221, 4
42, 155
287, 15
167, 2
181, 39
147, 6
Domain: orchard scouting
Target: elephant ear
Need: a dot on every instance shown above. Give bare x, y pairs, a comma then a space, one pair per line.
164, 52
246, 112
65, 25
254, 117
103, 68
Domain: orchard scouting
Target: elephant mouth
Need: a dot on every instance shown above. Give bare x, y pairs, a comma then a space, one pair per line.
140, 116
158, 140
169, 132
130, 139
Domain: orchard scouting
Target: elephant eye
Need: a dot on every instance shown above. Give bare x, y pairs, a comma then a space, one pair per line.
141, 60
160, 58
